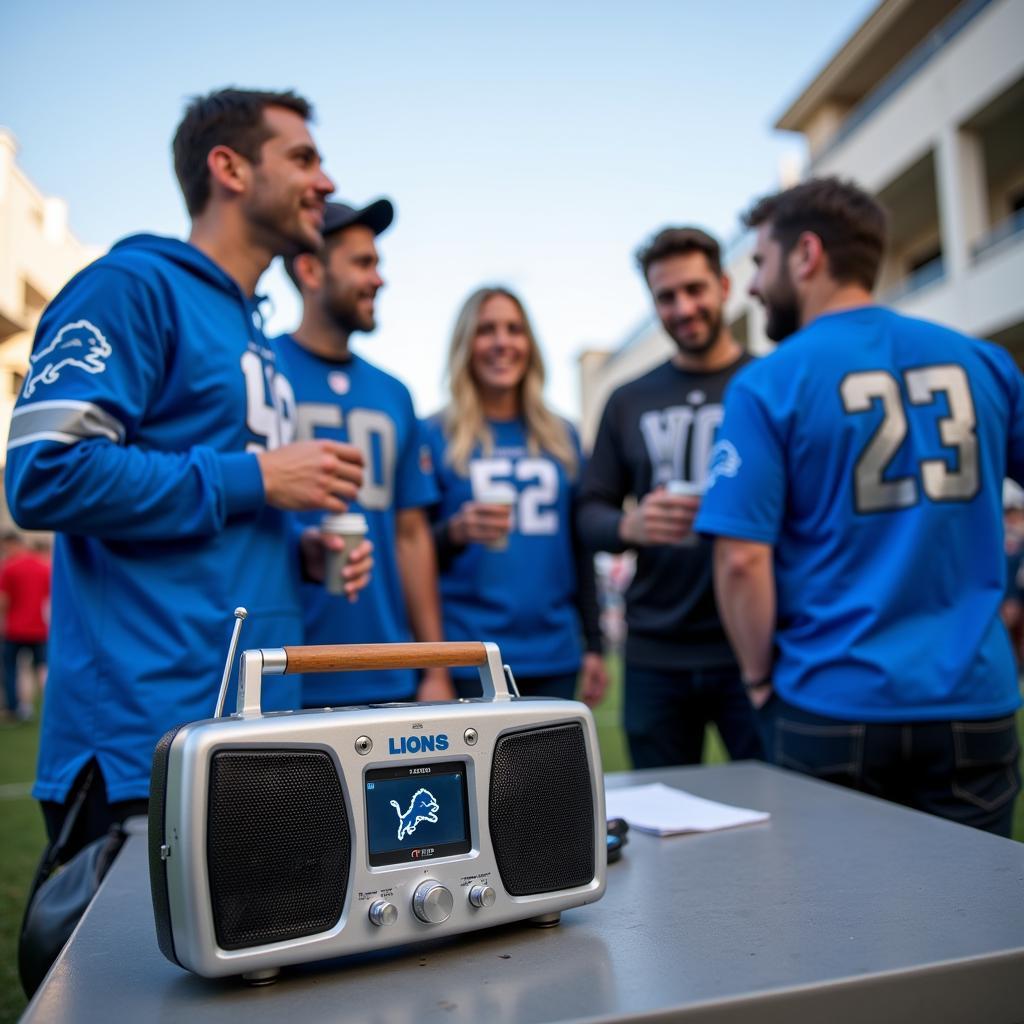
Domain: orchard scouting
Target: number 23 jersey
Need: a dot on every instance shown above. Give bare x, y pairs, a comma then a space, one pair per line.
523, 597
870, 451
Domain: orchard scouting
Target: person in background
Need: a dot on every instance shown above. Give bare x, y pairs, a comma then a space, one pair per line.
1012, 609
344, 397
855, 495
654, 436
154, 435
512, 570
25, 607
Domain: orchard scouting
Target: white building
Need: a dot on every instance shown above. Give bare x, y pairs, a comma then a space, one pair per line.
924, 106
38, 254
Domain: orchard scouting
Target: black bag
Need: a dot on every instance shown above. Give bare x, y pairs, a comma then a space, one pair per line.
58, 896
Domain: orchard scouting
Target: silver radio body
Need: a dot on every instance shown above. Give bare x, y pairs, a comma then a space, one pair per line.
287, 837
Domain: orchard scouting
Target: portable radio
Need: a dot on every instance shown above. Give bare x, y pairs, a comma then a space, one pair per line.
292, 836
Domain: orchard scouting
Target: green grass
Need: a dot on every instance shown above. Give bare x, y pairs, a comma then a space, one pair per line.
22, 835
22, 838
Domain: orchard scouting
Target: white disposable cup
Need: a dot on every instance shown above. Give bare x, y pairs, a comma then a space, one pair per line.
685, 489
352, 528
505, 499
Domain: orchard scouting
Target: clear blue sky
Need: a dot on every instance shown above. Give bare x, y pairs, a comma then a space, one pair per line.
534, 144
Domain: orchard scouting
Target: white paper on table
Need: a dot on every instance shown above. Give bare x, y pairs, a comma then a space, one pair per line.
666, 811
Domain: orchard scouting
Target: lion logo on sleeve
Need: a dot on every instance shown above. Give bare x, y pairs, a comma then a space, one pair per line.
724, 461
79, 344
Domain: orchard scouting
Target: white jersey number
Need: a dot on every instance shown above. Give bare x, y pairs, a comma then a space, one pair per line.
956, 431
370, 429
668, 433
274, 420
373, 433
529, 512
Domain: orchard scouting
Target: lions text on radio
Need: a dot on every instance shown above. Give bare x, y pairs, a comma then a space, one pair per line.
417, 744
422, 807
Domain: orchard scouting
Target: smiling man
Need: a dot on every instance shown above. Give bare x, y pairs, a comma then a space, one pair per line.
654, 438
154, 436
343, 397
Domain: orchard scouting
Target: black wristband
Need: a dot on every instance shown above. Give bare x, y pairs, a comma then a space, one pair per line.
758, 684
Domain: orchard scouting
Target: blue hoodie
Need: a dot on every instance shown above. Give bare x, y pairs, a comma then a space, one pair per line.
150, 387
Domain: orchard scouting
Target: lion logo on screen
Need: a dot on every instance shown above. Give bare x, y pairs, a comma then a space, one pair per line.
422, 807
79, 344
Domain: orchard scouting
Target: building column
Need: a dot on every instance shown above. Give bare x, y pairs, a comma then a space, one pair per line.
962, 196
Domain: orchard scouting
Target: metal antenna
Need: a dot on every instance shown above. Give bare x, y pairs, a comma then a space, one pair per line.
513, 687
240, 614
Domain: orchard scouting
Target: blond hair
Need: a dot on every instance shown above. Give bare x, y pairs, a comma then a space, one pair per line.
464, 422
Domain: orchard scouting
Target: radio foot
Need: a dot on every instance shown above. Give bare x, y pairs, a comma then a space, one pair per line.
266, 976
546, 920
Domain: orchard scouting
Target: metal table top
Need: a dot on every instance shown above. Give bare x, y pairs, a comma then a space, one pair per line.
840, 907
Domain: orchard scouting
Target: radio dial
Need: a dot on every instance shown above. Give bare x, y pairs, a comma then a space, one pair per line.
383, 913
432, 903
482, 896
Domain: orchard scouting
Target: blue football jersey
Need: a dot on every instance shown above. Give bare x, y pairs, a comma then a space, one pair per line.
356, 402
870, 451
523, 597
149, 389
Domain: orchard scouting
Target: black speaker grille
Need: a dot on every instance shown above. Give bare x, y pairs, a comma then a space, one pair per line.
542, 810
277, 845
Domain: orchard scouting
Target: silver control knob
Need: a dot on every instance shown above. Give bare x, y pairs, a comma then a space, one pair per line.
482, 896
432, 903
383, 913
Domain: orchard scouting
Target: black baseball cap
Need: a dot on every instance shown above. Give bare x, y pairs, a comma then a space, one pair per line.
377, 216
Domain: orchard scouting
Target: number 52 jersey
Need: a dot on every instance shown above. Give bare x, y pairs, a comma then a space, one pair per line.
869, 450
525, 596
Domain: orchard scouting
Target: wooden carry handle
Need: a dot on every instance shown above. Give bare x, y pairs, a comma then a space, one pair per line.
359, 657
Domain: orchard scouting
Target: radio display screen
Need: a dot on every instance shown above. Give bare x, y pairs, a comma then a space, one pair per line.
416, 812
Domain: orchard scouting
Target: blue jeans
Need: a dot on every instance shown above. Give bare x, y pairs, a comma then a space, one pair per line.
12, 648
965, 771
562, 685
665, 713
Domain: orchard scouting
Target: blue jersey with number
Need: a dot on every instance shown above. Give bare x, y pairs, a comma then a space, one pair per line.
524, 597
869, 450
354, 401
149, 389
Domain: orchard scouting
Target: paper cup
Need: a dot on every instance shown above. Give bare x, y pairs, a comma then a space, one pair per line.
504, 498
686, 489
352, 528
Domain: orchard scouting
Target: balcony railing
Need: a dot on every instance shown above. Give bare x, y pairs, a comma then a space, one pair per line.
904, 71
1006, 233
931, 273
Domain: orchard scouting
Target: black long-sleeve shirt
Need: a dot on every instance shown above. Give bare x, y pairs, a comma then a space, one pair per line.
657, 428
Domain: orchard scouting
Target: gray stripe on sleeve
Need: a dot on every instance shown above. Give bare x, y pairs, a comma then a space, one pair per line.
64, 421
